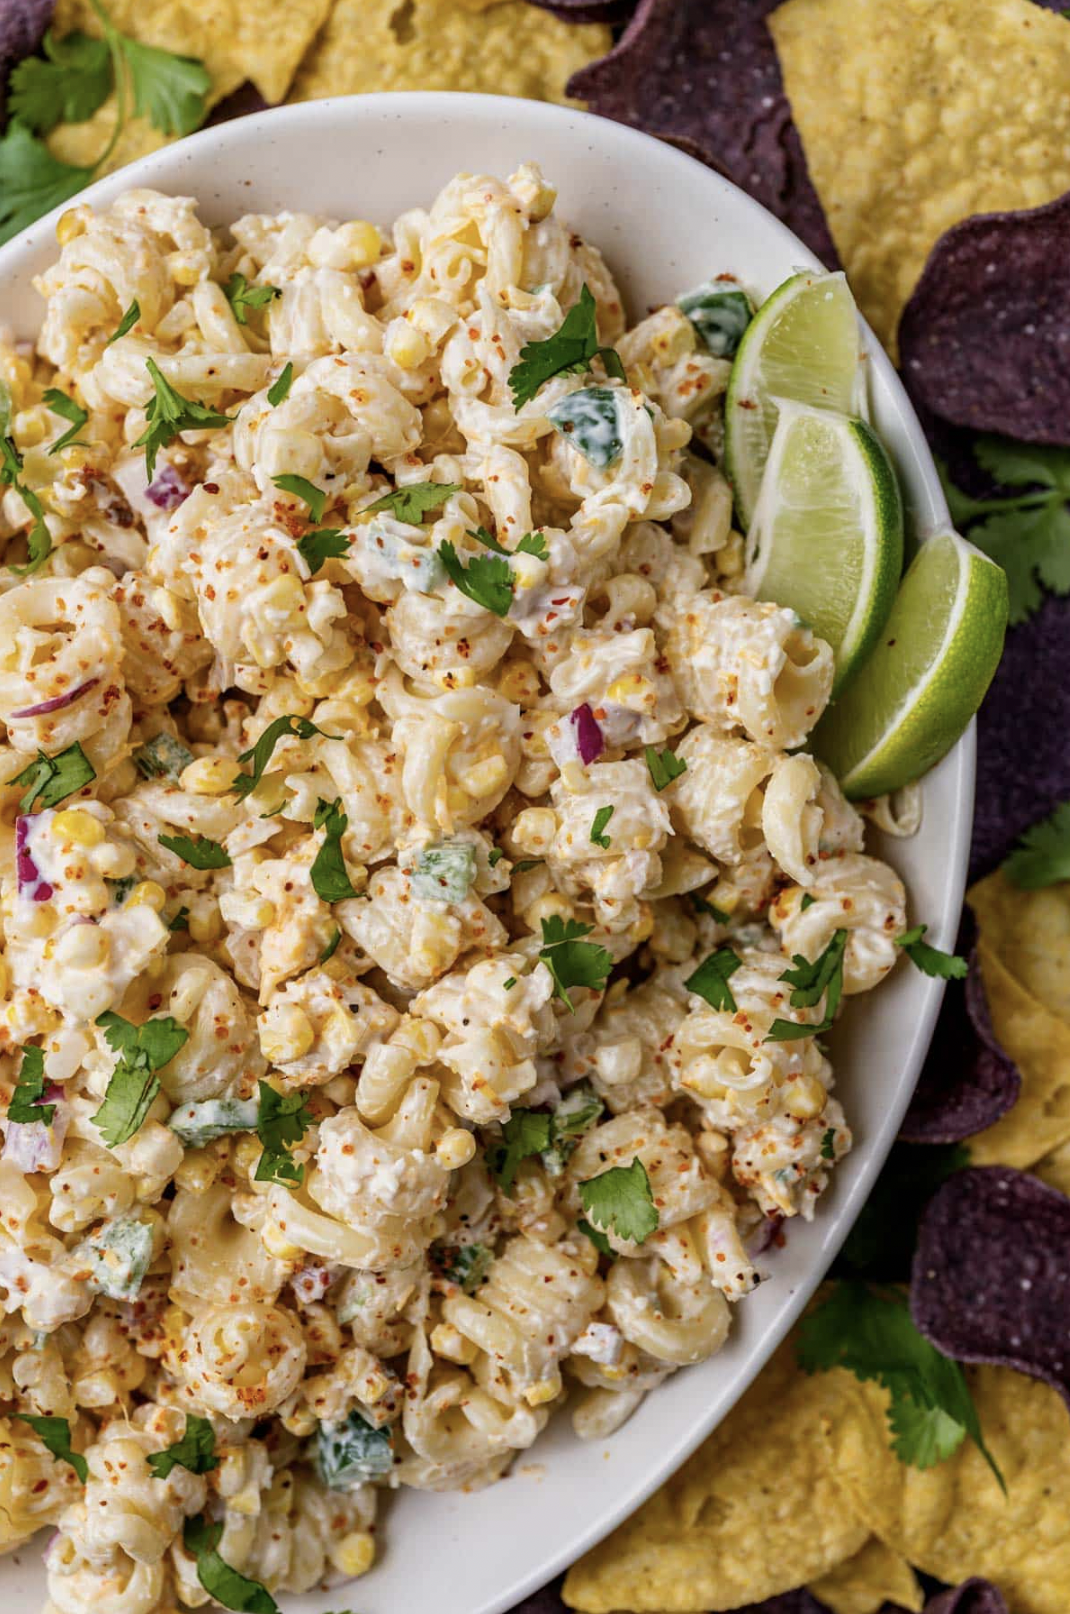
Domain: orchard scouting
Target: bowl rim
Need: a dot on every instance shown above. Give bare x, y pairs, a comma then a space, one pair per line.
163, 169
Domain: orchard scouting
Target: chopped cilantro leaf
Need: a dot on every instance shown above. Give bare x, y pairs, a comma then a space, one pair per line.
571, 348
488, 579
508, 985
701, 905
32, 181
332, 946
710, 980
526, 1133
195, 1451
199, 853
133, 1084
226, 1585
621, 1201
525, 864
1042, 856
126, 324
532, 543
59, 403
601, 819
68, 86
570, 960
25, 1106
241, 297
280, 387
494, 857
282, 1119
169, 90
664, 767
828, 1144
599, 1240
56, 1435
324, 543
931, 960
51, 780
810, 983
412, 501
169, 413
298, 728
180, 921
330, 881
302, 488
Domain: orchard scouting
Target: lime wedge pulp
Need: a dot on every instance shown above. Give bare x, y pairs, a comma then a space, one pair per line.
803, 343
927, 676
827, 534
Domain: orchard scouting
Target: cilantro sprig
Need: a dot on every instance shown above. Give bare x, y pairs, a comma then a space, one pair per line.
241, 296
621, 1201
872, 1335
487, 579
412, 501
130, 318
551, 1134
810, 983
226, 1585
133, 1084
55, 1434
571, 960
1042, 856
69, 84
25, 1106
330, 880
570, 349
38, 539
532, 543
195, 1451
282, 1120
711, 979
1027, 532
50, 780
199, 852
302, 488
169, 413
60, 404
931, 960
324, 543
298, 728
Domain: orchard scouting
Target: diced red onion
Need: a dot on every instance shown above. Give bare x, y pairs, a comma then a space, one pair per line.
31, 883
589, 741
765, 1234
33, 1145
168, 490
58, 702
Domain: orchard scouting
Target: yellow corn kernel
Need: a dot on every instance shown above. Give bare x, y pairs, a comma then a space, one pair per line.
209, 776
407, 346
643, 926
483, 778
633, 691
455, 1148
285, 595
421, 1037
537, 1395
149, 892
804, 1098
362, 242
5, 978
198, 1170
432, 316
701, 1077
573, 776
70, 225
205, 923
533, 830
184, 271
456, 678
277, 1244
354, 1554
553, 903
80, 828
518, 681
83, 947
542, 202
29, 428
458, 801
447, 1341
286, 1033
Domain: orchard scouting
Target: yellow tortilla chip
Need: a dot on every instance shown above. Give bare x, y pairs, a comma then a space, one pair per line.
1030, 930
754, 1512
1054, 1169
862, 1584
953, 1521
82, 143
506, 49
918, 114
1039, 1043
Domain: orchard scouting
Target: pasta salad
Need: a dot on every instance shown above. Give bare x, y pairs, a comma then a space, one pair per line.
420, 911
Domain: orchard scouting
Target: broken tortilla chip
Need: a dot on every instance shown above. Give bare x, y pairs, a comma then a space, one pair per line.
753, 1513
972, 1597
865, 1582
1030, 931
507, 49
952, 1520
917, 115
22, 28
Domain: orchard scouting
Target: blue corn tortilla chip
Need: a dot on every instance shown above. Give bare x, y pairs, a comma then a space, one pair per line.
705, 73
984, 340
967, 1081
238, 104
547, 1601
23, 24
611, 11
991, 1280
1023, 753
974, 1596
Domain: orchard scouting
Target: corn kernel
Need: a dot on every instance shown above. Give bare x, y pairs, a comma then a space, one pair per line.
298, 1420
184, 271
547, 907
354, 1554
28, 428
484, 778
5, 978
70, 225
456, 678
362, 242
286, 1033
643, 926
198, 1170
80, 828
433, 316
283, 596
205, 923
455, 1148
83, 947
149, 892
518, 681
209, 776
533, 830
407, 346
632, 691
537, 1395
804, 1098
277, 1244
420, 1036
449, 1342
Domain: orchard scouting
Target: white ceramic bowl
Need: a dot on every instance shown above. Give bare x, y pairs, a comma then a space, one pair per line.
664, 222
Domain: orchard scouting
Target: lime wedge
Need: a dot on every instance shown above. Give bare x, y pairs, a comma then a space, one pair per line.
927, 676
827, 534
803, 343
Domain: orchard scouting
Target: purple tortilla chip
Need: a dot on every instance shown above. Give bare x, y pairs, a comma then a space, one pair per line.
22, 27
587, 10
991, 1279
707, 71
548, 1601
238, 104
1023, 756
967, 1082
985, 339
972, 1597
800, 1602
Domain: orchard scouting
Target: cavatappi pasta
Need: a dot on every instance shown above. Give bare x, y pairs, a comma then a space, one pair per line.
330, 1060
